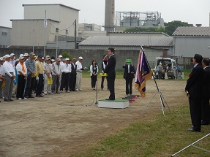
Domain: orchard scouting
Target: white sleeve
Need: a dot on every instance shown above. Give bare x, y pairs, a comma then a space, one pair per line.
19, 68
6, 69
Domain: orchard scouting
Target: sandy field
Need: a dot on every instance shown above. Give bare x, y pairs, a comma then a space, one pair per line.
69, 123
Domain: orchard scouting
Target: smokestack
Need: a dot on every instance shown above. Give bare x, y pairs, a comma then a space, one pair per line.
109, 15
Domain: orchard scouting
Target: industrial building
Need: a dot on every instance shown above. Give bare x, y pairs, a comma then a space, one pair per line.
43, 24
5, 37
86, 29
189, 41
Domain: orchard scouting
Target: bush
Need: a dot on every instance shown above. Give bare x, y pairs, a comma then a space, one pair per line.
66, 55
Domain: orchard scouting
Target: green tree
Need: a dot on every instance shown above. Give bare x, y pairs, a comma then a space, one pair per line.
147, 29
66, 55
170, 27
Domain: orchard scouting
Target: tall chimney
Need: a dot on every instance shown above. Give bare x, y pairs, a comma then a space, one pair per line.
109, 15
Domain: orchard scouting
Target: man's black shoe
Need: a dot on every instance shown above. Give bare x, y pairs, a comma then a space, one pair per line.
204, 123
6, 100
39, 96
10, 100
30, 97
193, 130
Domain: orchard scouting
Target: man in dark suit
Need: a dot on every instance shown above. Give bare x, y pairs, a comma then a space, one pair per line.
128, 75
205, 106
110, 70
194, 90
73, 75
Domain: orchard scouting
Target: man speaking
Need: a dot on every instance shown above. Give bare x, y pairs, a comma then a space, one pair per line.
110, 70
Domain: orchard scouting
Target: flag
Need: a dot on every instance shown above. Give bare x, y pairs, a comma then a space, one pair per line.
45, 20
143, 73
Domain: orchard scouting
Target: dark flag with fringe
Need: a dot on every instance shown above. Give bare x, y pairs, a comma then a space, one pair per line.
143, 73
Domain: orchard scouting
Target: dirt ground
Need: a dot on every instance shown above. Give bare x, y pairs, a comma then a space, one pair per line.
69, 123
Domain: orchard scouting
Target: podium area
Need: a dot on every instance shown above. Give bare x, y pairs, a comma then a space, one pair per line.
117, 103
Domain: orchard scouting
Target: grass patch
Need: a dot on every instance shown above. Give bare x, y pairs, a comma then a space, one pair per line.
156, 137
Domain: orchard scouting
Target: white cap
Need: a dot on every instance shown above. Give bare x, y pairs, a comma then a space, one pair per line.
67, 59
12, 54
1, 58
52, 60
60, 56
6, 56
22, 57
80, 57
25, 55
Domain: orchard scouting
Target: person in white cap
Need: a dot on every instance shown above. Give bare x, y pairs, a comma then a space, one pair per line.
26, 56
1, 76
56, 74
61, 59
22, 76
47, 76
79, 73
9, 77
12, 59
65, 69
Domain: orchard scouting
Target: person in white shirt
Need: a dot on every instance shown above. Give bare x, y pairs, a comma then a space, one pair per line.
79, 73
47, 76
9, 77
22, 76
56, 74
65, 69
93, 74
1, 76
12, 59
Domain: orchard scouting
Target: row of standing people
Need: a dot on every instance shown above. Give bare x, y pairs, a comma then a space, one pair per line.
43, 76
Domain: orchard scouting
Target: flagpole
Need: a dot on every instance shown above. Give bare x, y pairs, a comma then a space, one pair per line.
160, 94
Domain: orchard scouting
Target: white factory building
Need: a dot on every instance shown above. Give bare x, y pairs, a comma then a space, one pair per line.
42, 23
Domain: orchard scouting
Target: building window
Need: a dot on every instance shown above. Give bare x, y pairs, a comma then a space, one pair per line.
4, 33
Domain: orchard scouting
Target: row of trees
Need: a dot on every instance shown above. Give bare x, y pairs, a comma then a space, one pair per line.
170, 27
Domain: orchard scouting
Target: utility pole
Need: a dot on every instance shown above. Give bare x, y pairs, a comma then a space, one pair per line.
75, 33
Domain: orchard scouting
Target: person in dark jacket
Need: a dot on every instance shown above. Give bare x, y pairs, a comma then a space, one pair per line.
103, 66
128, 75
110, 70
205, 106
194, 90
73, 74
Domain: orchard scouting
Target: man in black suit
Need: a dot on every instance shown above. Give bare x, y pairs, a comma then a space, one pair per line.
205, 106
110, 70
73, 75
128, 75
194, 90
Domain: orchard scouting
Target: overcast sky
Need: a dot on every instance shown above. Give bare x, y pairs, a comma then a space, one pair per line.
92, 11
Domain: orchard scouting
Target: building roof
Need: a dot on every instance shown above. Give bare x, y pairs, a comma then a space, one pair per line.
5, 27
50, 4
128, 41
32, 20
192, 31
161, 33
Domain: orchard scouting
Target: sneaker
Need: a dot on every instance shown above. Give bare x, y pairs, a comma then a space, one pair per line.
45, 93
76, 89
25, 98
80, 89
19, 98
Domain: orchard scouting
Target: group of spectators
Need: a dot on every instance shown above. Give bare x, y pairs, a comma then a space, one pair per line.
29, 74
198, 91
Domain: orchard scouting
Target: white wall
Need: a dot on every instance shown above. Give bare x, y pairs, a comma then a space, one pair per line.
189, 46
32, 33
64, 15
